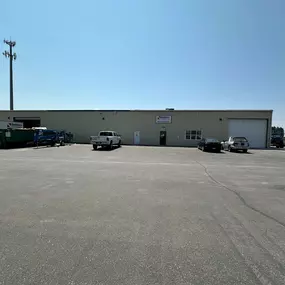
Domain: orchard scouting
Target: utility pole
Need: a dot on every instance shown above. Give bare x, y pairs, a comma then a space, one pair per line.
12, 56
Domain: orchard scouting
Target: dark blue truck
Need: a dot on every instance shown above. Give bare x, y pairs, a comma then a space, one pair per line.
48, 137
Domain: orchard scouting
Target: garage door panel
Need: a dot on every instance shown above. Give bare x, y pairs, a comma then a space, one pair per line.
254, 130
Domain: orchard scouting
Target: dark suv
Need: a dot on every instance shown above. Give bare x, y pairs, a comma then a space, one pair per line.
277, 141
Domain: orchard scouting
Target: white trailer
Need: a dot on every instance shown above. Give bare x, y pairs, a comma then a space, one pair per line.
11, 125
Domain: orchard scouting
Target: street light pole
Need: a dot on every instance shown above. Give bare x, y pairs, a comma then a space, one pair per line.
12, 56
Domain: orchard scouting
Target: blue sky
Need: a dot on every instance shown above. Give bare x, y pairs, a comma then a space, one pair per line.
145, 54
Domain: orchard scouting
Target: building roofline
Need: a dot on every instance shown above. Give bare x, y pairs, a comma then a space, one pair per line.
141, 110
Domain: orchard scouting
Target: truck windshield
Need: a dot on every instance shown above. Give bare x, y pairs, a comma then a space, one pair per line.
105, 134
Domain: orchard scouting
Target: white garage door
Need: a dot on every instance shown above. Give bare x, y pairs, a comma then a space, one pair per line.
254, 130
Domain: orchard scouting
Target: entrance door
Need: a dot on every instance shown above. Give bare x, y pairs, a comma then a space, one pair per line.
137, 137
162, 140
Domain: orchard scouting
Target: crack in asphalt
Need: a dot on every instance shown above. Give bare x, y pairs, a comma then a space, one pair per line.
279, 265
239, 196
235, 248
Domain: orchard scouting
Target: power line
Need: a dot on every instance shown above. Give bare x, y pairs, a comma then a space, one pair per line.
12, 56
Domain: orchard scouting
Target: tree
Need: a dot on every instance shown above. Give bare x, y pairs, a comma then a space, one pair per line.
277, 131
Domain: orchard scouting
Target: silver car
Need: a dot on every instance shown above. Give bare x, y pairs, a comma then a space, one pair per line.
236, 144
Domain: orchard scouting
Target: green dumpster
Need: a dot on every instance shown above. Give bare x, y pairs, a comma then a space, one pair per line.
16, 138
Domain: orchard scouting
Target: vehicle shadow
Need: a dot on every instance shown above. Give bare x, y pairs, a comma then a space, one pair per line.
49, 146
107, 149
274, 148
240, 152
213, 152
44, 146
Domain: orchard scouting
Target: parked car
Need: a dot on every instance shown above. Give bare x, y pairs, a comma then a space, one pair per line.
106, 139
210, 144
236, 144
277, 141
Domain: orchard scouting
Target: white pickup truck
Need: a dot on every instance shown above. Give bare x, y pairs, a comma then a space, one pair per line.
106, 139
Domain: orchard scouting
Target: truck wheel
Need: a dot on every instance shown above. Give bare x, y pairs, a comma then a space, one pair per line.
94, 146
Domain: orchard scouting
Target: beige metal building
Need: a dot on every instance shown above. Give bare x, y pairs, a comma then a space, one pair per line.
154, 127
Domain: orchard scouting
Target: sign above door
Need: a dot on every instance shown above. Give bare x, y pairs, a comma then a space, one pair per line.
163, 119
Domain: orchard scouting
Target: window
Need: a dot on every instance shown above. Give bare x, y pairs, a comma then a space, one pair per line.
211, 140
239, 139
193, 135
199, 135
187, 135
106, 134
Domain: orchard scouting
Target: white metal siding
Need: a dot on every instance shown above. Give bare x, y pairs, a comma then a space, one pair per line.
254, 130
83, 124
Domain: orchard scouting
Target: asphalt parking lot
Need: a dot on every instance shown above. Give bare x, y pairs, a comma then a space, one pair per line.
141, 215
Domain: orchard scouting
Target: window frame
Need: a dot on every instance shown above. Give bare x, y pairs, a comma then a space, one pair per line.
193, 135
187, 135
